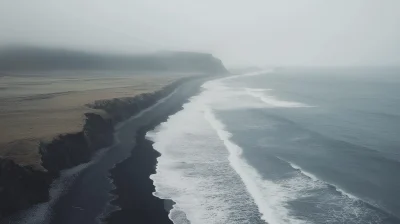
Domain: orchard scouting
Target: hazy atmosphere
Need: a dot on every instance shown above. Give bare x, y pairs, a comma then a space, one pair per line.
199, 111
241, 33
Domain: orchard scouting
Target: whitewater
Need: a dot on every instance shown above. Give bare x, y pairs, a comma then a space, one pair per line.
203, 170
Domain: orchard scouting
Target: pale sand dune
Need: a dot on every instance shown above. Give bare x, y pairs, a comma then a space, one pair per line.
40, 108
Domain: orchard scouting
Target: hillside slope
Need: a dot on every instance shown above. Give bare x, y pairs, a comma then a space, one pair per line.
15, 59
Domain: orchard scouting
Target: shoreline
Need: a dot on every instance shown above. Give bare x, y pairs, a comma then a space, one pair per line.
133, 193
134, 189
91, 198
95, 136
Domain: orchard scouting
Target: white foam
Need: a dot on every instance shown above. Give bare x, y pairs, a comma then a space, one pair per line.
345, 193
256, 73
230, 77
266, 194
294, 166
190, 152
272, 197
315, 178
204, 172
184, 166
218, 92
272, 101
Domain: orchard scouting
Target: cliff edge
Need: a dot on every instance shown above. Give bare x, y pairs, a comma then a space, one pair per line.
24, 186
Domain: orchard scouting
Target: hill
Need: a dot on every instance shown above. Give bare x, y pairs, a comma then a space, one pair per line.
27, 59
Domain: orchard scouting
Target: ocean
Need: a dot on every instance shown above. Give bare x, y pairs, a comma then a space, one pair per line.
285, 146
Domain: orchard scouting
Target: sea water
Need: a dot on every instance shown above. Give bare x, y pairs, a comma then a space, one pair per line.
286, 146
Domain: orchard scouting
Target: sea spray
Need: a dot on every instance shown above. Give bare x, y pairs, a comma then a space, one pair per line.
266, 194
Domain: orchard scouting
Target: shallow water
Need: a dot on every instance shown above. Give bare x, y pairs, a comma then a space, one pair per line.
291, 146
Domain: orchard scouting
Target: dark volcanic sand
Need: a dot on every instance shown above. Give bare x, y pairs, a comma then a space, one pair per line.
85, 195
134, 188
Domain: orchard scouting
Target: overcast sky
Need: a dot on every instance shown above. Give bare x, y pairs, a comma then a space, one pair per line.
240, 32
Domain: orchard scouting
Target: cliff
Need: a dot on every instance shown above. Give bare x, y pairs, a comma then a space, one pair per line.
70, 150
28, 59
21, 187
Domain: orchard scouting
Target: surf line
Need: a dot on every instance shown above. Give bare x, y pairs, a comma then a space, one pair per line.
316, 179
272, 211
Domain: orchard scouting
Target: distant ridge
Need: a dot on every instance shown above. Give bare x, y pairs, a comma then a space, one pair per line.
14, 59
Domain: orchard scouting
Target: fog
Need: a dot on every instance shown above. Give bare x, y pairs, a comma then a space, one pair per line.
241, 33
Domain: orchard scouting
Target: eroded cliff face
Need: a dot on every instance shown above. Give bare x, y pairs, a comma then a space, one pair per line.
121, 109
70, 150
21, 187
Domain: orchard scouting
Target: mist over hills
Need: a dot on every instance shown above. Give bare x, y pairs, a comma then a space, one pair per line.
24, 59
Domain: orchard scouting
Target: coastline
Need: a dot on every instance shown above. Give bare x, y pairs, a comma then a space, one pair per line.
134, 188
70, 151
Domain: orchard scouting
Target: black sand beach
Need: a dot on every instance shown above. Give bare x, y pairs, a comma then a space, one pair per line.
134, 188
88, 198
70, 123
